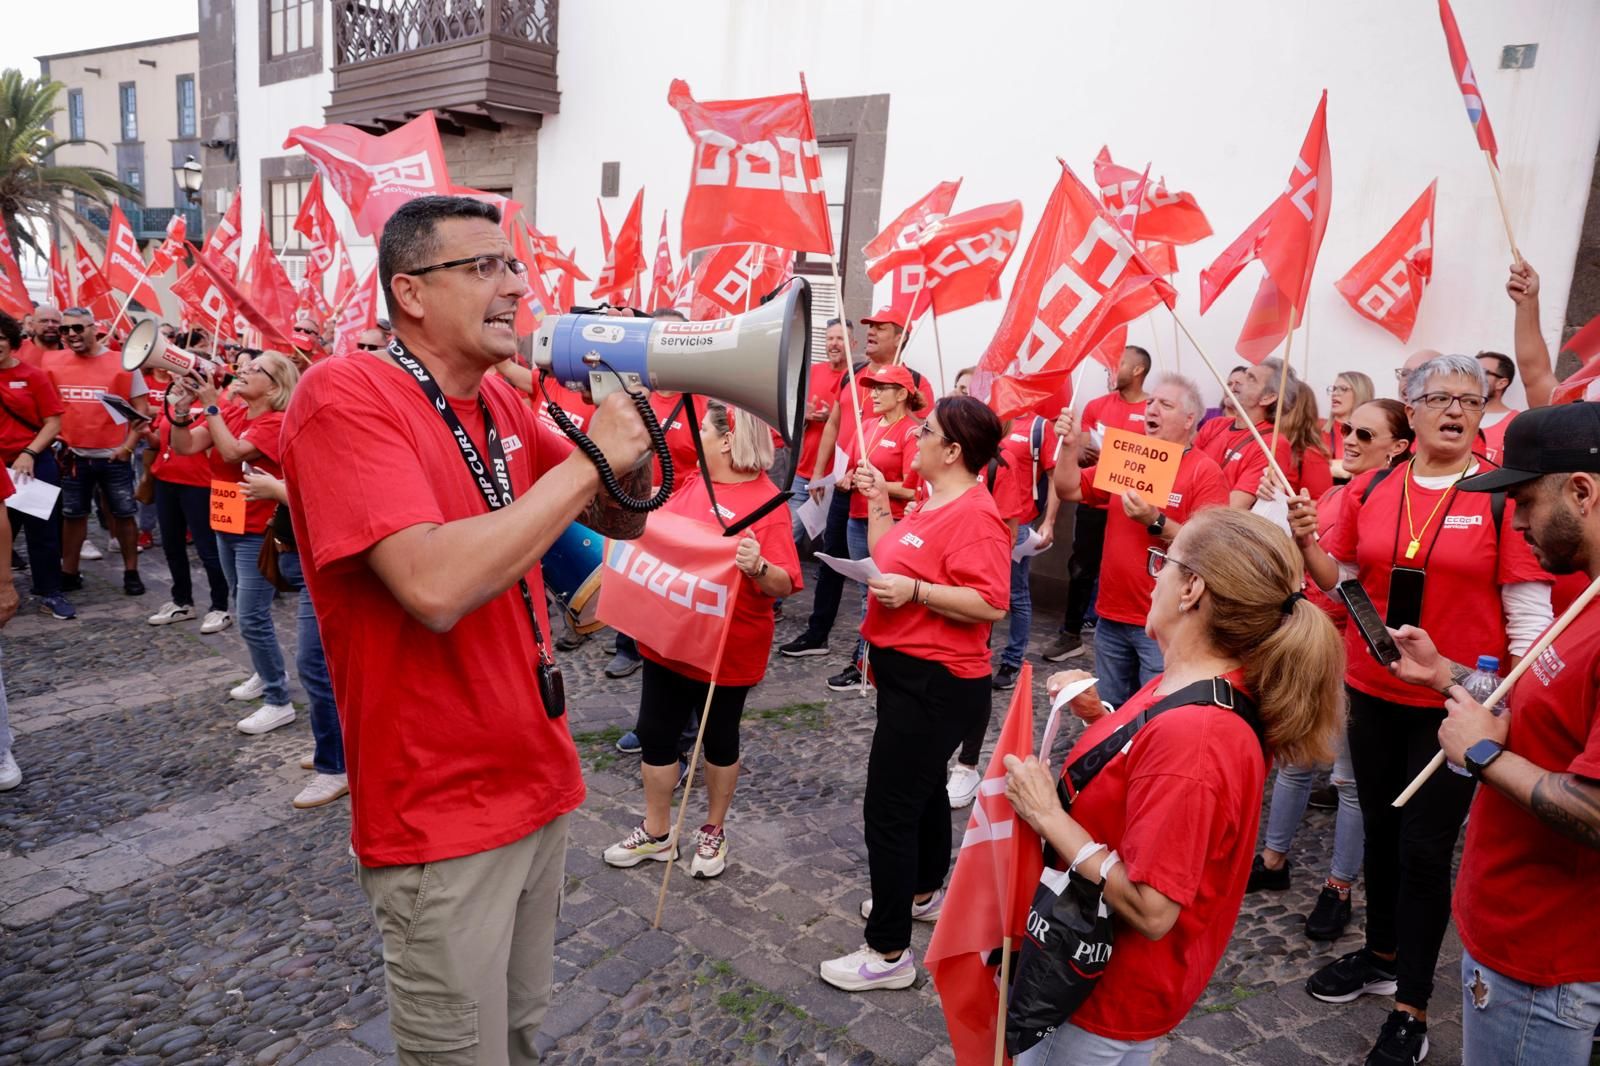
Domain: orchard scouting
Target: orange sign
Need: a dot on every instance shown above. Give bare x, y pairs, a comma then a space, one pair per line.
1137, 463
227, 507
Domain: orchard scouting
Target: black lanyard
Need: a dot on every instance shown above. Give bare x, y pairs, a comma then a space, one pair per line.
496, 493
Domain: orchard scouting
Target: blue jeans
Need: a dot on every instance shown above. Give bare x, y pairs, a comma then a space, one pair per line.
42, 534
252, 596
113, 475
1290, 792
1021, 608
856, 540
1124, 659
312, 666
797, 496
1070, 1046
1507, 1023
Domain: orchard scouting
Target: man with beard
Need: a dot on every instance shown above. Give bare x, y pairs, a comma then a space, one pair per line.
1524, 898
46, 336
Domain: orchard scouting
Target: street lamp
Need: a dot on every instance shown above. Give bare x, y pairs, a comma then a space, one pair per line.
189, 176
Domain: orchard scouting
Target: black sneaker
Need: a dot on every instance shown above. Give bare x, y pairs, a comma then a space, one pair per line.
1358, 973
622, 664
1263, 879
847, 679
803, 645
1329, 917
71, 582
1006, 677
1403, 1041
1064, 646
131, 585
1325, 798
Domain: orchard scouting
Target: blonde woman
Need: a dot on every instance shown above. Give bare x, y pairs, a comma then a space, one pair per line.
245, 432
1349, 390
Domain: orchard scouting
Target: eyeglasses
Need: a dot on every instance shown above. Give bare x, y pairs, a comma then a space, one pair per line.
306, 330
1335, 390
1441, 401
1158, 559
75, 327
925, 431
256, 368
371, 347
1491, 374
487, 267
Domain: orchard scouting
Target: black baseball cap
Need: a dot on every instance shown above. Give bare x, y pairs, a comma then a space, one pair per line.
1563, 439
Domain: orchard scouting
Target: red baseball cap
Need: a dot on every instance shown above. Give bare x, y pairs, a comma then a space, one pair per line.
896, 374
888, 313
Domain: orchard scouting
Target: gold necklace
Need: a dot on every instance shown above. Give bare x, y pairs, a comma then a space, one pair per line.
1415, 544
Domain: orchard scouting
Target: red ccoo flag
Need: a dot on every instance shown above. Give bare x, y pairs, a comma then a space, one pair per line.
204, 301
125, 267
1584, 345
661, 293
375, 175
731, 279
170, 251
316, 225
1467, 82
896, 245
1080, 279
270, 288
997, 871
224, 245
756, 177
60, 280
1168, 217
962, 256
14, 299
272, 334
624, 258
1386, 285
93, 289
361, 313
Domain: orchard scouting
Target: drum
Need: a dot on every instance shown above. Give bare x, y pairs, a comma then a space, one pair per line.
572, 574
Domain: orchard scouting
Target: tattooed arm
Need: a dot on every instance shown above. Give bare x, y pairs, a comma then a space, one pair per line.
606, 516
1565, 802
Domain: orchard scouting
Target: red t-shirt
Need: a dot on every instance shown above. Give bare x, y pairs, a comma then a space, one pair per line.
1494, 437
893, 448
1314, 474
177, 469
681, 433
750, 642
964, 543
1236, 452
27, 398
157, 394
33, 355
1524, 902
1461, 596
573, 403
847, 417
1112, 411
1181, 808
7, 489
448, 748
263, 431
1016, 478
822, 387
1328, 511
1125, 581
1334, 436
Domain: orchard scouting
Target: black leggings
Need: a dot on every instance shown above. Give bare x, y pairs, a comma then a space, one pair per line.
1408, 849
181, 508
668, 701
924, 711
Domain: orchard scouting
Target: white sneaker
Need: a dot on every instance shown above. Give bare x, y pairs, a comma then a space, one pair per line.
216, 622
267, 718
638, 846
249, 689
865, 969
308, 762
710, 853
10, 773
170, 613
324, 788
920, 912
91, 552
962, 787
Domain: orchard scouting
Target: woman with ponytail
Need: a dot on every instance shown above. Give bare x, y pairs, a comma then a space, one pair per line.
1171, 820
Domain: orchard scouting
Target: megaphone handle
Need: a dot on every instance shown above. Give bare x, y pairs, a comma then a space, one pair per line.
608, 477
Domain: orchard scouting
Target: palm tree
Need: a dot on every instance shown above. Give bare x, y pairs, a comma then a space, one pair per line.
32, 187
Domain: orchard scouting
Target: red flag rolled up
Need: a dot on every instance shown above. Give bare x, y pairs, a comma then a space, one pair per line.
1467, 83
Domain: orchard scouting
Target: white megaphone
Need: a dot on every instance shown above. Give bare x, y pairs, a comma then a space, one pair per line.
758, 361
147, 349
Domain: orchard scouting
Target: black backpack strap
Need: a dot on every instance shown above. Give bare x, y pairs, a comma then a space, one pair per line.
1376, 478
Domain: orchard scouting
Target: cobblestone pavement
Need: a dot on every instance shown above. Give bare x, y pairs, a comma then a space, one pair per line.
162, 902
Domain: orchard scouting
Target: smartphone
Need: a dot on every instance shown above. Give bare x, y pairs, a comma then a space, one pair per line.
1364, 613
1405, 597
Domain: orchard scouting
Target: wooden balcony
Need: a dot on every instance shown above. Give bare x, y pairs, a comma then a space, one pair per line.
477, 63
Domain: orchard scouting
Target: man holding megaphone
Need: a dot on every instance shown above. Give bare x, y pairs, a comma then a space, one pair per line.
424, 493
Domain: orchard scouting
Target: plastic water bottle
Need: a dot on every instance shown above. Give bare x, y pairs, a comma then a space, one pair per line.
1481, 683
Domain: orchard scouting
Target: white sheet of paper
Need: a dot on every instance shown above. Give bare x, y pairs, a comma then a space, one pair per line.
841, 465
1052, 724
33, 497
862, 570
814, 514
1028, 547
1275, 510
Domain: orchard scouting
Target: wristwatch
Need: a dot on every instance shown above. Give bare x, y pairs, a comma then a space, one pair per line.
1480, 755
1155, 528
212, 409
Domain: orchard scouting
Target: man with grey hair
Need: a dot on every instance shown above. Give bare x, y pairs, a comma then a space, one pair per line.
1230, 443
1124, 656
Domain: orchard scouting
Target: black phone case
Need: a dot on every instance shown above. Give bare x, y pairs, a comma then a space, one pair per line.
1405, 597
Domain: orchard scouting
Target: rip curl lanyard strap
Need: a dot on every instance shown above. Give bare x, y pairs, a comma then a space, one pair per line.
497, 493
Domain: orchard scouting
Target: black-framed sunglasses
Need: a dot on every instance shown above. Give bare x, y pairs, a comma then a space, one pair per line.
1158, 559
307, 330
486, 267
75, 327
371, 347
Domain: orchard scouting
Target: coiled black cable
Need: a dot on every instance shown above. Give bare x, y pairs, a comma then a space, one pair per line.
608, 477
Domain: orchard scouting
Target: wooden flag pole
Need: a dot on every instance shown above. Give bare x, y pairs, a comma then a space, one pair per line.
1000, 1012
123, 310
1061, 442
1504, 688
1500, 198
1283, 383
1305, 345
1155, 338
1229, 398
938, 348
676, 835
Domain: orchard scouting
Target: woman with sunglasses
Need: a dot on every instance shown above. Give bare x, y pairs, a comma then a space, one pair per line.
1451, 563
946, 580
1378, 436
1349, 391
1167, 824
244, 432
